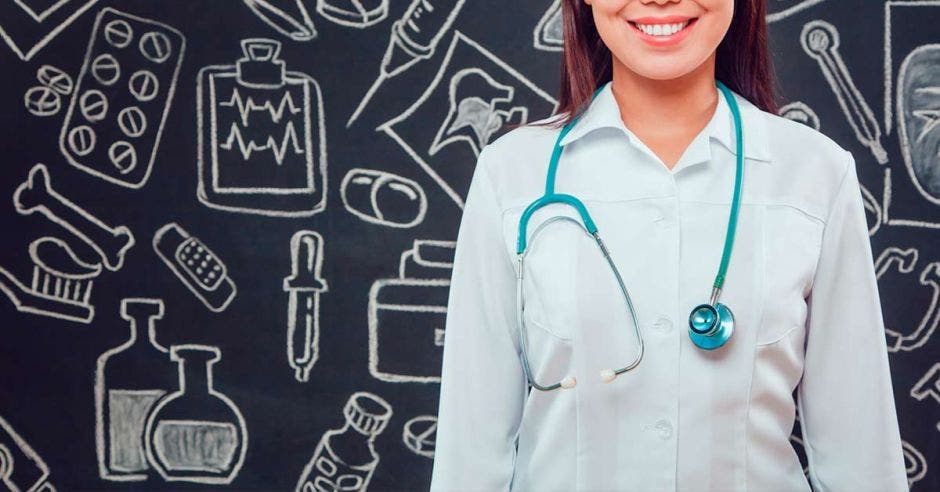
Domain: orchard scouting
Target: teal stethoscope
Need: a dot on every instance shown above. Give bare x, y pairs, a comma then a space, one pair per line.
710, 324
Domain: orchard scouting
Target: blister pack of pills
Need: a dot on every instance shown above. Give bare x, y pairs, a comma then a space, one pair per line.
122, 97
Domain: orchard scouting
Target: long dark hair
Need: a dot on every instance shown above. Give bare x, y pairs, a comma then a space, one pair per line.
742, 59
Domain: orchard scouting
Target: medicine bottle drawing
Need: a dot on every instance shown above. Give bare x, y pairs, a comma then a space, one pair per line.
262, 145
196, 433
129, 380
345, 458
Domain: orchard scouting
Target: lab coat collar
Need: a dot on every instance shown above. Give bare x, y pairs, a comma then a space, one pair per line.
604, 112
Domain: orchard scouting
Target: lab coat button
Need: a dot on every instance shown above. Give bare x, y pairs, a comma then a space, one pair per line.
663, 325
664, 428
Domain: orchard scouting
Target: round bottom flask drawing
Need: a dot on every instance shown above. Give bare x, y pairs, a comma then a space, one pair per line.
196, 434
345, 458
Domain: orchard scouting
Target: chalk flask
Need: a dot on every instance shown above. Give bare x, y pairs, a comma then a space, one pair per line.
129, 380
345, 458
196, 434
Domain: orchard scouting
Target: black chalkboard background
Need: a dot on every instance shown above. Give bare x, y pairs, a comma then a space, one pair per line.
48, 364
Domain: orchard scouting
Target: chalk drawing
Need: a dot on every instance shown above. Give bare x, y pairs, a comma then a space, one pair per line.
288, 17
359, 14
414, 38
380, 197
406, 339
197, 266
304, 286
262, 137
110, 77
915, 463
474, 115
28, 25
45, 99
345, 458
196, 434
904, 262
21, 468
419, 435
129, 380
820, 40
919, 119
61, 283
800, 112
549, 33
473, 94
37, 195
781, 9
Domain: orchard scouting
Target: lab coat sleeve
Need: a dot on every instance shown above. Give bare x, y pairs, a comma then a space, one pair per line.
846, 399
483, 386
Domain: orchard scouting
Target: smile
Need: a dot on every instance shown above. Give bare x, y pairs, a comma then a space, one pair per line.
664, 33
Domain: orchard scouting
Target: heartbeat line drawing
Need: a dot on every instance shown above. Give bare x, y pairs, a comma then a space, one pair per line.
278, 149
247, 106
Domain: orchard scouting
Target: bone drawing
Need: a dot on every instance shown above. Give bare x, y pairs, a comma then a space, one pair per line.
37, 195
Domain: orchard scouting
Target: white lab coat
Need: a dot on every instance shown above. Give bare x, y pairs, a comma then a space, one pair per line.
800, 282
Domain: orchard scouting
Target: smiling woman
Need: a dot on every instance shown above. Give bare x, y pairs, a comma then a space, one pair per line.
666, 143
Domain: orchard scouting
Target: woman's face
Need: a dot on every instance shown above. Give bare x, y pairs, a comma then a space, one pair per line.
642, 34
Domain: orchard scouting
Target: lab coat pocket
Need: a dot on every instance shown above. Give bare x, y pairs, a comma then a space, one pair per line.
792, 241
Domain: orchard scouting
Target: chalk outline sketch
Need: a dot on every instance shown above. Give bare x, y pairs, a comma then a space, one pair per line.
63, 144
42, 101
310, 295
454, 115
374, 305
904, 261
388, 126
917, 463
345, 18
309, 85
399, 44
27, 53
55, 79
60, 303
802, 109
375, 424
820, 40
8, 463
417, 443
100, 446
903, 139
224, 285
888, 68
379, 179
787, 12
303, 28
540, 39
111, 243
154, 463
873, 207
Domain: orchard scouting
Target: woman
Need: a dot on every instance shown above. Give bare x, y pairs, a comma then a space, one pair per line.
653, 157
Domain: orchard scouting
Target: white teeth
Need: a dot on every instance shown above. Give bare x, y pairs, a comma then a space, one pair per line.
662, 29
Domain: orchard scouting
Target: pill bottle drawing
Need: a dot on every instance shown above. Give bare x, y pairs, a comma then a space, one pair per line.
345, 458
196, 434
262, 144
129, 380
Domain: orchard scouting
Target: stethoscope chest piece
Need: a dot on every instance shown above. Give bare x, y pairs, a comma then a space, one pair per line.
710, 326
